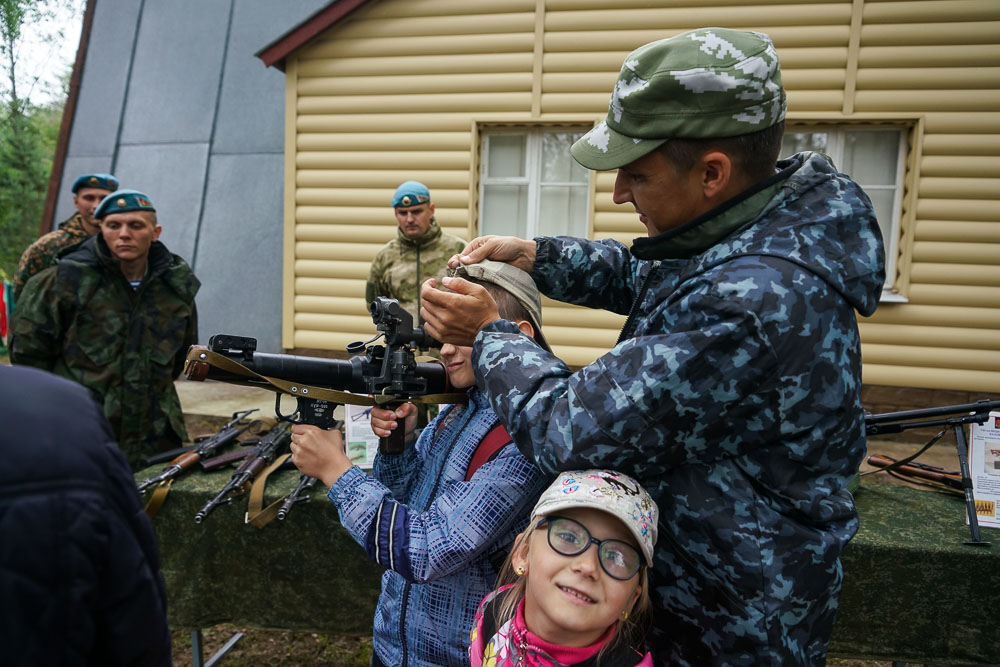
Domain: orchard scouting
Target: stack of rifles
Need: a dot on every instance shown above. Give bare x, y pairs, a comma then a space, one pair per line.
254, 455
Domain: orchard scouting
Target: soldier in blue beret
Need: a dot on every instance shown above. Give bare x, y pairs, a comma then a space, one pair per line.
734, 391
88, 191
420, 250
116, 313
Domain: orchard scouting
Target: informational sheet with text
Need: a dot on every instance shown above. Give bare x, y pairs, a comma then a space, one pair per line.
362, 444
984, 466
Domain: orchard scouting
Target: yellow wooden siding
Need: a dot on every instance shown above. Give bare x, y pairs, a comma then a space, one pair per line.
939, 60
389, 95
397, 90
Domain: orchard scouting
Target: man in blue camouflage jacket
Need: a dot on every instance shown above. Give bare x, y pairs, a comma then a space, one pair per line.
733, 394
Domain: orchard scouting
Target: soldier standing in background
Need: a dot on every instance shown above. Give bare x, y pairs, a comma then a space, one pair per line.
88, 191
117, 315
419, 251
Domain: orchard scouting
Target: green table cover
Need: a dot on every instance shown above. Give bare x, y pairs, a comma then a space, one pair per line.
304, 573
912, 590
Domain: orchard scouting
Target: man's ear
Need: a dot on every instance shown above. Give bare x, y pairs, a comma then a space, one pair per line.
715, 169
526, 328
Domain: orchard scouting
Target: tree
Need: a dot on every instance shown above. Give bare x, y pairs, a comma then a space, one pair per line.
27, 131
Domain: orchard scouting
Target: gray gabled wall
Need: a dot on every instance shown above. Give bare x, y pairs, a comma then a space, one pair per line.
174, 103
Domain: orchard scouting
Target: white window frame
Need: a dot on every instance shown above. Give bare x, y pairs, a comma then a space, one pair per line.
835, 151
532, 174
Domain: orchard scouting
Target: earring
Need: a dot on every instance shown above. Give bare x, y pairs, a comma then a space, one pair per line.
624, 614
519, 571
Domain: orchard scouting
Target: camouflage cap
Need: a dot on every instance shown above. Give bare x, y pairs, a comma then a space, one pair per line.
102, 181
710, 82
411, 193
121, 201
608, 491
515, 281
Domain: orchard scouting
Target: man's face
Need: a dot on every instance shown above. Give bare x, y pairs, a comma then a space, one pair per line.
130, 234
663, 197
86, 200
414, 221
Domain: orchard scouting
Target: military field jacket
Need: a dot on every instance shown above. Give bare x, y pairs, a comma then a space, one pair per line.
735, 401
403, 264
82, 320
42, 253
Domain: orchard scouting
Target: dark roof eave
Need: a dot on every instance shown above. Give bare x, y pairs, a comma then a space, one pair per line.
275, 53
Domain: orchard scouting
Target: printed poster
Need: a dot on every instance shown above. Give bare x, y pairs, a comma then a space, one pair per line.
362, 444
984, 466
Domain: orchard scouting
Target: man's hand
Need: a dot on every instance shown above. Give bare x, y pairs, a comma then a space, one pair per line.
384, 422
457, 316
509, 249
319, 453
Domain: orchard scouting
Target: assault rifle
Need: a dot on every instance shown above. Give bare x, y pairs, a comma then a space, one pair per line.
267, 450
298, 495
389, 372
205, 449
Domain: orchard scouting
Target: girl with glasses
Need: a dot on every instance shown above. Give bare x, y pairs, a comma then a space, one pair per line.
574, 587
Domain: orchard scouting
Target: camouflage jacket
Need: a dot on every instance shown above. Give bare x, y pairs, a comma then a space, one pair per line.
82, 320
402, 264
42, 253
735, 401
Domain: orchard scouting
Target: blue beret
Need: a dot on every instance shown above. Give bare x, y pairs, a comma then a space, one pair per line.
121, 201
411, 193
103, 181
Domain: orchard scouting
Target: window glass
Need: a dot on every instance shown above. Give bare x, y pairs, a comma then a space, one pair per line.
504, 210
797, 142
557, 164
531, 185
870, 157
560, 208
506, 155
883, 200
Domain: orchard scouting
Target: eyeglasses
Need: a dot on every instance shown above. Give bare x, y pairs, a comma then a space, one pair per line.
620, 560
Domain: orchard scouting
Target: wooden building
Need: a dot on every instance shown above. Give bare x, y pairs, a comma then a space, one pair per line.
480, 101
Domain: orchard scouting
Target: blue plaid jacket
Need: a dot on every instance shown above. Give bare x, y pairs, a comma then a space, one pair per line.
435, 532
736, 402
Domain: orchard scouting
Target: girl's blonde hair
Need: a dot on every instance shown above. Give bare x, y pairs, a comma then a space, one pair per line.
630, 631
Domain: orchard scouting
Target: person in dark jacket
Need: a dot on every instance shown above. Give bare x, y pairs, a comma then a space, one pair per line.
80, 576
116, 314
734, 392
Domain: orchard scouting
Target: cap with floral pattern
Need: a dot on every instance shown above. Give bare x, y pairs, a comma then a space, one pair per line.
613, 492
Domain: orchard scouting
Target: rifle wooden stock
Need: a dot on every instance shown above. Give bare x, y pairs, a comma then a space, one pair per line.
919, 470
225, 459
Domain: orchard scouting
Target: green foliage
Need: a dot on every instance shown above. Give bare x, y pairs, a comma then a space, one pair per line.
28, 133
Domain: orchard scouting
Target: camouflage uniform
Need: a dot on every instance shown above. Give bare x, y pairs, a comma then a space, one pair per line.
82, 320
401, 265
42, 253
734, 398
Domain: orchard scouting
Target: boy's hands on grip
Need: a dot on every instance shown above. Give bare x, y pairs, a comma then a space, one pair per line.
319, 453
384, 422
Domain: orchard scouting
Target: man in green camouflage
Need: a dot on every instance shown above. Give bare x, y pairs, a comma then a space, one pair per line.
88, 191
419, 251
116, 314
